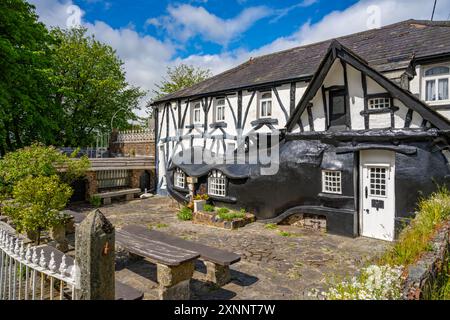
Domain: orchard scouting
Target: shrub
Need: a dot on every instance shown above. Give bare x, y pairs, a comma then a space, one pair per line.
208, 208
96, 201
185, 214
243, 210
229, 216
414, 240
223, 210
37, 204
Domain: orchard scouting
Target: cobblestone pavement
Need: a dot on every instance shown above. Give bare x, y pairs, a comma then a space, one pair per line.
272, 266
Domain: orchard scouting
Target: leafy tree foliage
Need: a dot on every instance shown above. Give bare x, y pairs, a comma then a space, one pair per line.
27, 112
37, 203
90, 87
180, 77
38, 160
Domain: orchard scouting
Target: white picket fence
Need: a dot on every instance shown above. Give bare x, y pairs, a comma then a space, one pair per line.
29, 273
136, 136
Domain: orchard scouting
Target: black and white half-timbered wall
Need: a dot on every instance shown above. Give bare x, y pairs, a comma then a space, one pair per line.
363, 121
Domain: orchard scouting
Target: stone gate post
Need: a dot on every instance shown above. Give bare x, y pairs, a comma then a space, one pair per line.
94, 256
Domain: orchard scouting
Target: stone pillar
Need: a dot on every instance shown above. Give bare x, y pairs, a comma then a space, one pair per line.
191, 181
58, 234
217, 274
135, 178
92, 184
174, 282
94, 256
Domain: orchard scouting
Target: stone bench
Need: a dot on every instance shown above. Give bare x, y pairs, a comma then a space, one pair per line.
174, 266
217, 261
107, 196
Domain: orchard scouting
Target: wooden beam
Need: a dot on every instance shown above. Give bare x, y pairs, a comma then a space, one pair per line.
366, 106
240, 109
292, 98
248, 107
280, 103
325, 106
232, 112
310, 116
408, 118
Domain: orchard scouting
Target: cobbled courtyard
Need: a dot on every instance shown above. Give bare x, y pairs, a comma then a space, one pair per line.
274, 265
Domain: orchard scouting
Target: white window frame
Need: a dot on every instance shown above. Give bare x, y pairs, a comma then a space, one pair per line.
332, 181
197, 110
217, 184
179, 179
220, 110
436, 79
379, 103
265, 105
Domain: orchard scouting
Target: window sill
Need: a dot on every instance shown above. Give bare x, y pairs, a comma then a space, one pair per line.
196, 125
334, 196
264, 121
379, 111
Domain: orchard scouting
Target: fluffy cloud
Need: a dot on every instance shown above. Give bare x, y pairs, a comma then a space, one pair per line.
185, 21
146, 57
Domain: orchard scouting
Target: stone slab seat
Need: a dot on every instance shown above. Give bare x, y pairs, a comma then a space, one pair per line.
174, 265
107, 196
217, 261
123, 291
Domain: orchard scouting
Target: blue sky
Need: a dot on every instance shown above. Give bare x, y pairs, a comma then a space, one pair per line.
151, 35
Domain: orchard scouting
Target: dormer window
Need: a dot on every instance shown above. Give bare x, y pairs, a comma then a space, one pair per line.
436, 83
196, 113
179, 179
217, 184
220, 110
265, 105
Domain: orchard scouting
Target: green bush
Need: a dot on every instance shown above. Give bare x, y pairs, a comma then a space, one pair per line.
223, 210
243, 210
208, 208
185, 214
37, 204
96, 201
229, 216
414, 240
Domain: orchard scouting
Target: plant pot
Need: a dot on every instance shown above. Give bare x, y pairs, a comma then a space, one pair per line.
198, 205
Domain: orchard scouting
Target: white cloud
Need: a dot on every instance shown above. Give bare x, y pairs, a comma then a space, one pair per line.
146, 57
185, 21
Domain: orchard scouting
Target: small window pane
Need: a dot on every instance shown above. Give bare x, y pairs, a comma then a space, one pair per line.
378, 178
217, 184
379, 103
331, 181
179, 178
431, 90
443, 89
437, 71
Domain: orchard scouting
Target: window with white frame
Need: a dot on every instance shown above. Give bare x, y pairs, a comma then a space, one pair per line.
436, 83
265, 105
196, 113
379, 103
220, 110
217, 184
179, 178
331, 181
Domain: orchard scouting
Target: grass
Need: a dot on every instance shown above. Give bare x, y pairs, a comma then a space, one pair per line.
271, 226
96, 201
158, 226
441, 288
223, 210
415, 239
185, 214
285, 234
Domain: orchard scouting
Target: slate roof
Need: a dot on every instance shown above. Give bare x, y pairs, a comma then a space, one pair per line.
389, 48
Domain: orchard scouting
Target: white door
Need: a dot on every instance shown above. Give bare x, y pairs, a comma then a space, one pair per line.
377, 172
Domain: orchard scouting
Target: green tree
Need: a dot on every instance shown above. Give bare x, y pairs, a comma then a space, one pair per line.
90, 87
27, 111
180, 77
37, 204
35, 161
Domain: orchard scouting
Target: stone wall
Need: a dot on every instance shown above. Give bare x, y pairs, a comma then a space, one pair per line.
307, 221
424, 274
134, 148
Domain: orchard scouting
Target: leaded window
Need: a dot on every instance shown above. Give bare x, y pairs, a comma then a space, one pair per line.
217, 184
379, 103
179, 178
331, 181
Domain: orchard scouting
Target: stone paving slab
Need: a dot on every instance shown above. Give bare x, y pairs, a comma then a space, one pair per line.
272, 266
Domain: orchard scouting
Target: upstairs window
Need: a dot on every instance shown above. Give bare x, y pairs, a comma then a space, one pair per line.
217, 184
196, 113
436, 83
220, 110
379, 103
179, 178
338, 108
265, 105
331, 182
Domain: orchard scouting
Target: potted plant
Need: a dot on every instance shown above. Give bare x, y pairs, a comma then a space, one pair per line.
200, 201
